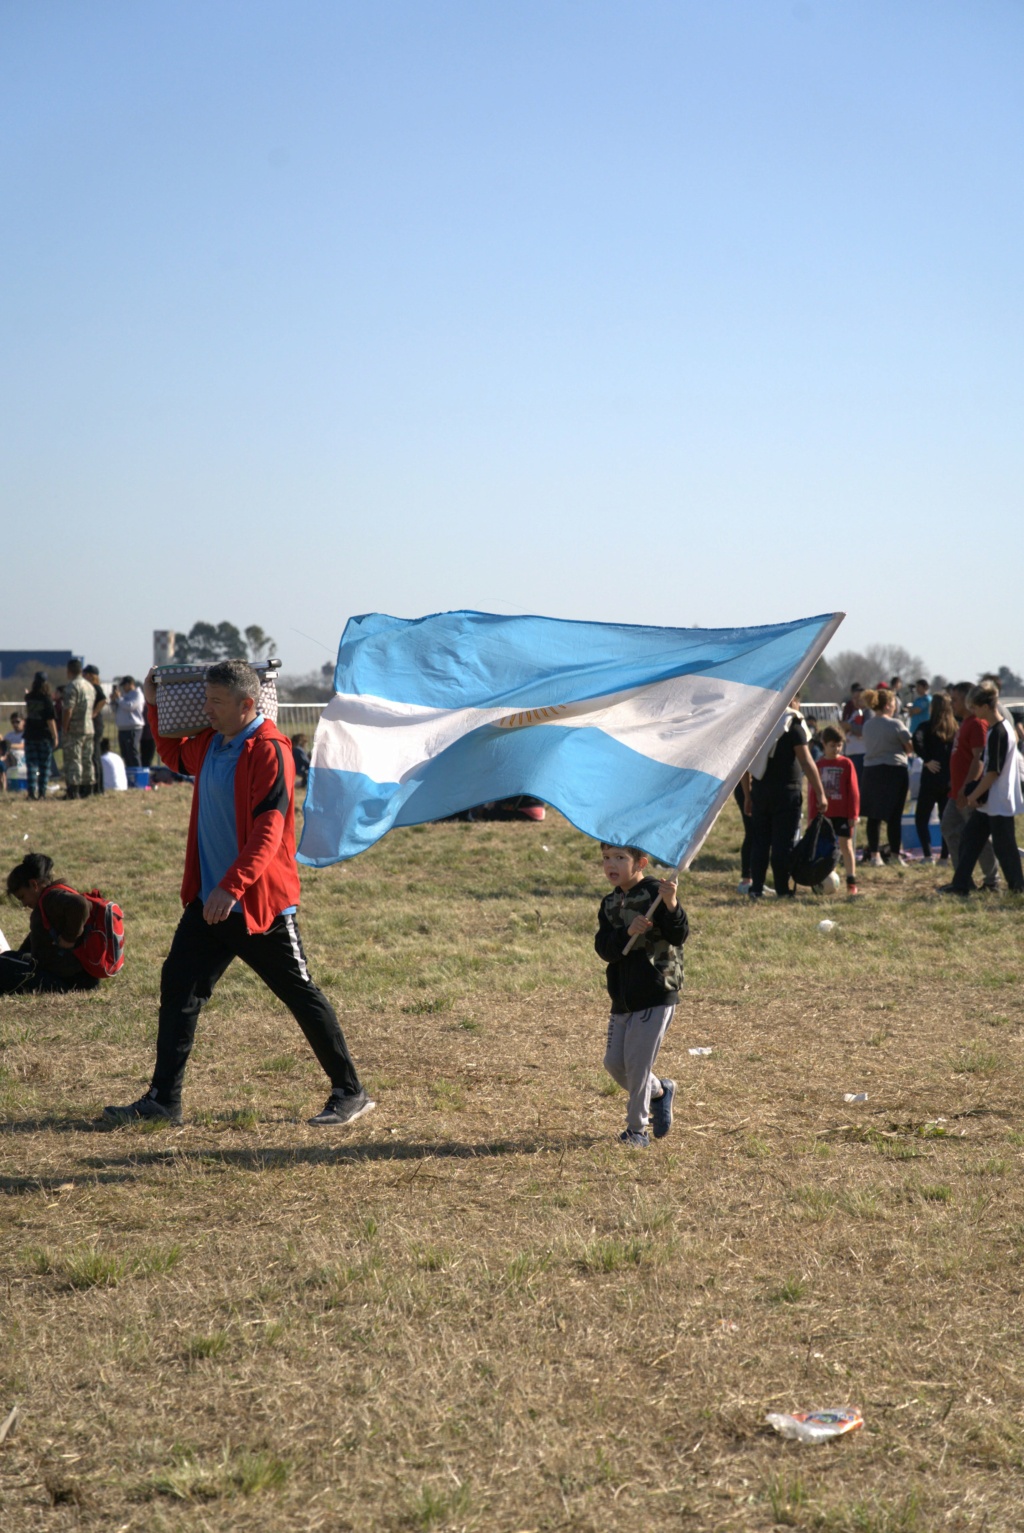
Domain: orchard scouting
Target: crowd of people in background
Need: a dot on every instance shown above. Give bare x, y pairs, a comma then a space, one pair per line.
967, 773
72, 718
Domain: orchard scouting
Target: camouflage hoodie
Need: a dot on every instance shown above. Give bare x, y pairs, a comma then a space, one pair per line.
652, 974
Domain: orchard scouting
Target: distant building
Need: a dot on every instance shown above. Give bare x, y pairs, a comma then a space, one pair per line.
12, 660
163, 645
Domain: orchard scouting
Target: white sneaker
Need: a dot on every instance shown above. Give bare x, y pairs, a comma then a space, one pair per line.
743, 885
876, 860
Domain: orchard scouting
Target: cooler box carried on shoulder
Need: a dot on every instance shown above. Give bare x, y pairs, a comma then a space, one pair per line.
181, 693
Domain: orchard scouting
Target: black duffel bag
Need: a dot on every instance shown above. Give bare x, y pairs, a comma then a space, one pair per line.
815, 854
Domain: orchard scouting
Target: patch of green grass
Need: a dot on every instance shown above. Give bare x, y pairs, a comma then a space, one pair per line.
877, 1516
524, 1267
815, 1202
936, 1192
86, 1266
241, 1118
447, 1096
432, 1506
279, 1064
206, 1346
975, 1059
433, 1258
787, 1496
610, 1254
791, 1291
243, 1473
428, 1006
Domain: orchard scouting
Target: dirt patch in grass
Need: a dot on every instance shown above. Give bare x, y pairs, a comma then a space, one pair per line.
475, 1310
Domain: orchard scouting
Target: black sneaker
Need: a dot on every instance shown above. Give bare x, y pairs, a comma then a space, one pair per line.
661, 1109
960, 894
637, 1137
146, 1107
340, 1109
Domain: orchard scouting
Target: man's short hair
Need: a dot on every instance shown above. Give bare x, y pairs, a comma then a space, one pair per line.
127, 681
74, 667
235, 676
90, 670
962, 687
920, 682
985, 695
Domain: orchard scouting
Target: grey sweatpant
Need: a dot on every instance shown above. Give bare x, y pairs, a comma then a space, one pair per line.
953, 823
634, 1038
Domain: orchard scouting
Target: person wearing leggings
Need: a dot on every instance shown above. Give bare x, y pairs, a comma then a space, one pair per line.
933, 742
886, 776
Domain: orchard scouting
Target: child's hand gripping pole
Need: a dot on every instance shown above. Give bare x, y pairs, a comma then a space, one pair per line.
666, 883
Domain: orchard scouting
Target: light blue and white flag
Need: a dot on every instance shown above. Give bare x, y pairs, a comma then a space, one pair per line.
638, 735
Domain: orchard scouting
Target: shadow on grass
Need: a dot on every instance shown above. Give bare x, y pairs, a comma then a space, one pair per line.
286, 1156
127, 1167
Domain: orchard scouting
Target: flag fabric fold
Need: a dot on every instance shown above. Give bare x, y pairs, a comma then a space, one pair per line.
637, 735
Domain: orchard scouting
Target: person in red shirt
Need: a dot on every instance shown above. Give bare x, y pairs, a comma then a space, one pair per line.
842, 793
965, 767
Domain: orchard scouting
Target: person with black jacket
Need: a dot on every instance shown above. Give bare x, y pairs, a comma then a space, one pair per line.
643, 915
46, 961
933, 742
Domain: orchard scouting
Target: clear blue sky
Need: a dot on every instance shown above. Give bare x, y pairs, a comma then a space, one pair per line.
703, 312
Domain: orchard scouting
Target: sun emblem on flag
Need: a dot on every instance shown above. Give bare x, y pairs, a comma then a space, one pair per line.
532, 716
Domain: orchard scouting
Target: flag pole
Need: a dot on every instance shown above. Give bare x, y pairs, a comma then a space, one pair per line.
647, 915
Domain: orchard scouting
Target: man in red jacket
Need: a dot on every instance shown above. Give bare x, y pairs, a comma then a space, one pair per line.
240, 892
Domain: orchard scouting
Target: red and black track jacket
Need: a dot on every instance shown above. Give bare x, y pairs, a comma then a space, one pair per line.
263, 877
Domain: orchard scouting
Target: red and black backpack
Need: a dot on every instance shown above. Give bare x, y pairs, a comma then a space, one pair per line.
100, 948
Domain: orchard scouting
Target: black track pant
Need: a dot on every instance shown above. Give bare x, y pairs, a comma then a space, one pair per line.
1002, 829
748, 833
775, 833
199, 955
933, 791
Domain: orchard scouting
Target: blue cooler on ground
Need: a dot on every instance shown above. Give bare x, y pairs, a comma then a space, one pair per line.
138, 777
911, 839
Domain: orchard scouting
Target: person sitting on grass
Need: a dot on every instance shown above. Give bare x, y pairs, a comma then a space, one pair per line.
643, 984
842, 807
46, 961
115, 775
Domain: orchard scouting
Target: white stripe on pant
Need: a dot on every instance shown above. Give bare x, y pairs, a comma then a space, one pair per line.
634, 1038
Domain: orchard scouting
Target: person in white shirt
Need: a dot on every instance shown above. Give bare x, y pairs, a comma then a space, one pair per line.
114, 775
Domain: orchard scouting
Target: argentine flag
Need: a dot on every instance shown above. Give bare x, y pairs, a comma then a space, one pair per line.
638, 735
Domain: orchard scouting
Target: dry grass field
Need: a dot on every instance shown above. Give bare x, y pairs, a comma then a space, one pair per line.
474, 1309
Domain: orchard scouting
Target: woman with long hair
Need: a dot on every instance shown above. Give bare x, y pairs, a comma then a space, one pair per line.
933, 742
886, 778
40, 735
46, 960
